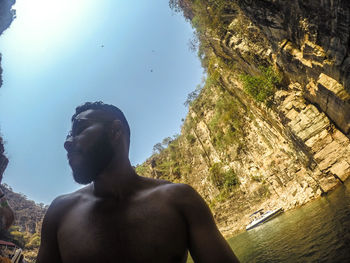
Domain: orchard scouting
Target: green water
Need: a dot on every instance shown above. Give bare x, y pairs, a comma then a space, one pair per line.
316, 232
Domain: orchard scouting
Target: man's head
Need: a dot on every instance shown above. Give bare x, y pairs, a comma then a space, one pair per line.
100, 132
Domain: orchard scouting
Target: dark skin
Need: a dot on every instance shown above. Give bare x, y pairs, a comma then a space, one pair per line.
123, 217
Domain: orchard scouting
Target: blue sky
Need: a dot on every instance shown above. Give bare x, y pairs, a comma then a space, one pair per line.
58, 54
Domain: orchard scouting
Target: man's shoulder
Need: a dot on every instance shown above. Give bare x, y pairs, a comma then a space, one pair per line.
160, 184
176, 193
66, 201
177, 189
184, 199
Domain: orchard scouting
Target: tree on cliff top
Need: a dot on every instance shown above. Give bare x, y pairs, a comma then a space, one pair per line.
182, 6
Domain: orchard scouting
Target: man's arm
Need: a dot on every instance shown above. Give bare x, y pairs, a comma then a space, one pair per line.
206, 244
49, 250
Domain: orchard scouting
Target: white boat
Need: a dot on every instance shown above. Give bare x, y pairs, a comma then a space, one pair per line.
260, 217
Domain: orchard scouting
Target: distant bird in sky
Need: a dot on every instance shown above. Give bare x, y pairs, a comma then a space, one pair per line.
102, 45
151, 70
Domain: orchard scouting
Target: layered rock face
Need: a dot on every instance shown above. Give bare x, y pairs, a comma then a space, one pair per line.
3, 160
281, 154
6, 14
310, 43
6, 17
305, 137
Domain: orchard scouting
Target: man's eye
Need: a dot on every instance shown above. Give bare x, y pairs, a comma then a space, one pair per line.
79, 129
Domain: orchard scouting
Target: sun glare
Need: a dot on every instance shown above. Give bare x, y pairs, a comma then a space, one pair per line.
48, 23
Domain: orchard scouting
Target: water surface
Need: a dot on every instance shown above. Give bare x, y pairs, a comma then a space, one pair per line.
316, 232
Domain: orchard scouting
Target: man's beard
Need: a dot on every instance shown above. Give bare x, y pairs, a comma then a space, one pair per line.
95, 160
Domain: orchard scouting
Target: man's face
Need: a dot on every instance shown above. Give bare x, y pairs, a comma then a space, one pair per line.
88, 146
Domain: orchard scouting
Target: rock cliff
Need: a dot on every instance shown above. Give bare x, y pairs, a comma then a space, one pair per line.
3, 160
25, 232
6, 17
310, 41
270, 126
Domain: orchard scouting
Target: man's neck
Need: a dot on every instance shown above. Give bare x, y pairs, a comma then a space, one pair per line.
117, 181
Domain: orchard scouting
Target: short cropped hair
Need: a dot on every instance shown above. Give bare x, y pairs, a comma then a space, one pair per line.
112, 110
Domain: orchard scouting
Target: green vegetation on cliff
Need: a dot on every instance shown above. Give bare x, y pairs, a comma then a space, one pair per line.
213, 132
176, 158
209, 18
205, 14
212, 19
224, 180
22, 239
25, 232
262, 87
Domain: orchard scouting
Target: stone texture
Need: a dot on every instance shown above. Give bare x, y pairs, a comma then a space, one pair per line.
310, 45
6, 14
3, 159
341, 169
332, 99
6, 17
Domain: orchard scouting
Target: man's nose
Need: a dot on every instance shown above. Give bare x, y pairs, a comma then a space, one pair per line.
68, 144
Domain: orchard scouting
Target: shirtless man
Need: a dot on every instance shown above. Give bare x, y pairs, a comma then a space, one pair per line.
121, 216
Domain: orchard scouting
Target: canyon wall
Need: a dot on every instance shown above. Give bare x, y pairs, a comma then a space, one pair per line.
271, 126
6, 17
310, 42
25, 232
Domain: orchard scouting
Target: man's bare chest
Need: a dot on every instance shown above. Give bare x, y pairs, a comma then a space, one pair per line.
130, 232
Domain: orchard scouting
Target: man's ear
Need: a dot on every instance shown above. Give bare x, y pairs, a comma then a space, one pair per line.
116, 129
